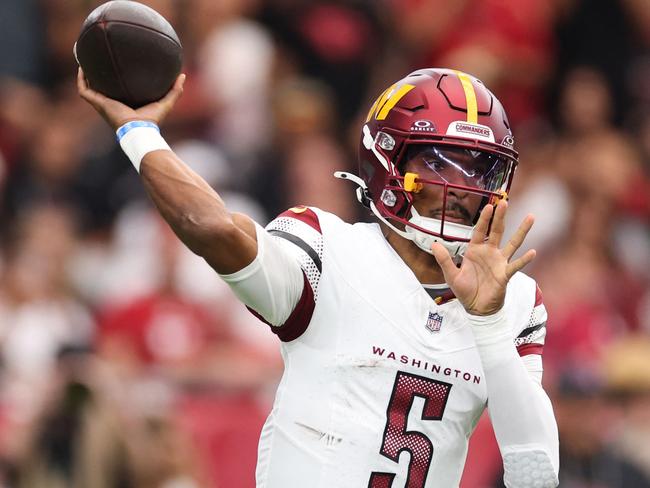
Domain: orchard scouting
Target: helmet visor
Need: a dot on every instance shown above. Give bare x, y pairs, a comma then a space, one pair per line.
460, 167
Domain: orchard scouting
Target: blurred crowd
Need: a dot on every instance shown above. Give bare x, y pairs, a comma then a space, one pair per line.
126, 363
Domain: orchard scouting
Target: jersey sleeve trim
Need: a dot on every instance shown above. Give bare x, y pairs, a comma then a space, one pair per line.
530, 339
304, 214
299, 319
301, 244
299, 232
538, 296
529, 330
272, 283
532, 348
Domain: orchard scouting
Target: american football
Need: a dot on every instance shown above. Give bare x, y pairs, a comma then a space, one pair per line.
129, 52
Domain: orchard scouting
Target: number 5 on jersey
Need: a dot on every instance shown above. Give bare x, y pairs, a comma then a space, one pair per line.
397, 439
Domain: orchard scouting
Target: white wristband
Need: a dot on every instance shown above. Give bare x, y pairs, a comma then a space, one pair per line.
139, 137
493, 337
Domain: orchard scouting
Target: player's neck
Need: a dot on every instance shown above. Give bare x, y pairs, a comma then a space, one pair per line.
423, 264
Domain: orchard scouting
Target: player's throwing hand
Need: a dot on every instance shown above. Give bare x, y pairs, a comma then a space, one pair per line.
117, 114
480, 282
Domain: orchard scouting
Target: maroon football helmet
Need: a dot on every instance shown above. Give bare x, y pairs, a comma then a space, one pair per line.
435, 127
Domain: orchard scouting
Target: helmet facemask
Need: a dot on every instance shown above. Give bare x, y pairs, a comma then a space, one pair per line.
438, 191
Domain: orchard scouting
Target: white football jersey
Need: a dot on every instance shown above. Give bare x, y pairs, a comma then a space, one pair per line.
383, 385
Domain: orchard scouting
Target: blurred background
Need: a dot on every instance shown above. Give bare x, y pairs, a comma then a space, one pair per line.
126, 363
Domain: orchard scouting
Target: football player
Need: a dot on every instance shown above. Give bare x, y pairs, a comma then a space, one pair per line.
395, 335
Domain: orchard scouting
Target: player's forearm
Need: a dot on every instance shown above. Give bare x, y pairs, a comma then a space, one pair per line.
520, 410
190, 206
524, 425
194, 210
182, 197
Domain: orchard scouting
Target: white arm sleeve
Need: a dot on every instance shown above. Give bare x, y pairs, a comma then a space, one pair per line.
273, 283
533, 364
520, 410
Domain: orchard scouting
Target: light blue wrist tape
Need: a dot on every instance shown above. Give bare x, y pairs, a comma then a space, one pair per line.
139, 137
121, 132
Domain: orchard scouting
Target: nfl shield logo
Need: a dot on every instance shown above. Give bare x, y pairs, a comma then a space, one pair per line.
434, 322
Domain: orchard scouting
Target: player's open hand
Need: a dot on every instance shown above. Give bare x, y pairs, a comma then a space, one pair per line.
480, 282
117, 114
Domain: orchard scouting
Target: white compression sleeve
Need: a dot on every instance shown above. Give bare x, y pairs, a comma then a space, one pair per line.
533, 364
520, 410
272, 284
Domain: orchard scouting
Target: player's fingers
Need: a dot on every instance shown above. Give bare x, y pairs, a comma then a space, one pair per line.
444, 260
519, 236
175, 93
81, 80
498, 224
180, 81
519, 263
481, 227
82, 85
96, 99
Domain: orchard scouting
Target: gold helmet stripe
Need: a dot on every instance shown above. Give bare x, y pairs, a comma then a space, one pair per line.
386, 101
392, 101
470, 97
380, 100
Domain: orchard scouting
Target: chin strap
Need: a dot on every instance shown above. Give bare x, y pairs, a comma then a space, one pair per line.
364, 198
422, 240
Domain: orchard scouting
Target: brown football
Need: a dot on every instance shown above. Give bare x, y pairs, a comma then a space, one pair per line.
129, 52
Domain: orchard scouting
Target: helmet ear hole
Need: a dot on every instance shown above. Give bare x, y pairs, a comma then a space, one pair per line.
363, 195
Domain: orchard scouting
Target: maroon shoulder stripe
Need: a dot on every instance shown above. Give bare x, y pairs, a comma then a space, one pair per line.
304, 214
538, 295
299, 319
530, 348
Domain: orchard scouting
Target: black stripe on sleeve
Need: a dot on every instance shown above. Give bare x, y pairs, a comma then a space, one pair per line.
302, 245
530, 330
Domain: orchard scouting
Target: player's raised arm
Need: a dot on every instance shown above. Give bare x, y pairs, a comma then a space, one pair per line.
190, 206
520, 410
